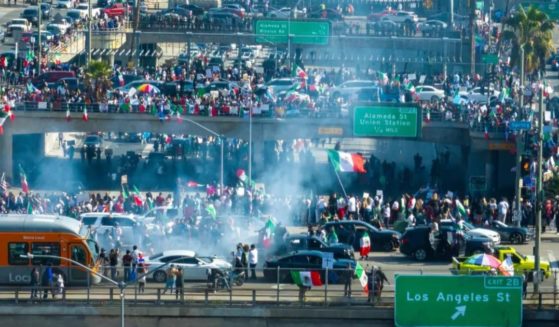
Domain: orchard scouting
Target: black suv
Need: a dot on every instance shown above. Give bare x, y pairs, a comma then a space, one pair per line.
419, 243
301, 242
350, 232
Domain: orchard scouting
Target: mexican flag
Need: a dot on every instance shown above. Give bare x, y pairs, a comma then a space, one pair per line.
210, 210
137, 197
297, 71
269, 229
125, 193
365, 244
461, 209
362, 276
23, 180
306, 278
347, 162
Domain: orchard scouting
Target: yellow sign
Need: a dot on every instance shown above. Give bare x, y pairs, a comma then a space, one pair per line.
338, 131
501, 146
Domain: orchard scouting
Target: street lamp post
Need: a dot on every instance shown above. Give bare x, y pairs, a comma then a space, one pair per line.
40, 22
89, 35
222, 141
517, 188
539, 192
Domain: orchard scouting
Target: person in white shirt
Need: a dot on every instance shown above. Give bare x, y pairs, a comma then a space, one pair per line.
253, 260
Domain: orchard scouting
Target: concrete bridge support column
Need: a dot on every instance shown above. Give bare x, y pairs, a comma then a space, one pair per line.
491, 164
6, 155
258, 154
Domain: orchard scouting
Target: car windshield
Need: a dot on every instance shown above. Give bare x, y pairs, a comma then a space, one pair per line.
468, 226
206, 259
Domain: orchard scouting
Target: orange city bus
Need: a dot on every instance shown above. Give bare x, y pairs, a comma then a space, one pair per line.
47, 235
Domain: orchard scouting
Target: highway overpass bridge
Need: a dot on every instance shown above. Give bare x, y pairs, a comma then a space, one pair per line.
490, 158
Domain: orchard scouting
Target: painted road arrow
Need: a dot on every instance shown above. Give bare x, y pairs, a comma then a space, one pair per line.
460, 310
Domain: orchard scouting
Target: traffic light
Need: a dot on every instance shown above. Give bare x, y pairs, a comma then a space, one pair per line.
525, 167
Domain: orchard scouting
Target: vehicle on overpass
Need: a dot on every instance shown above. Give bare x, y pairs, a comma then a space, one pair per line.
298, 242
59, 236
304, 261
402, 17
521, 263
117, 9
352, 87
65, 4
285, 12
432, 27
350, 232
195, 267
429, 93
422, 244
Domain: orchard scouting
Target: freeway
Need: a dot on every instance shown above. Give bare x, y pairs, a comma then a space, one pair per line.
263, 292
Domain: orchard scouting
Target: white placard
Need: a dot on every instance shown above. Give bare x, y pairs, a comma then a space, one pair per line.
42, 105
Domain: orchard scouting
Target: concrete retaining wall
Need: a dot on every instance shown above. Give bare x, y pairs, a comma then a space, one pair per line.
154, 316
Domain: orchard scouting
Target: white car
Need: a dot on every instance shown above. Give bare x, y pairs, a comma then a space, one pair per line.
194, 267
475, 94
285, 12
429, 93
474, 231
351, 88
65, 4
402, 17
280, 85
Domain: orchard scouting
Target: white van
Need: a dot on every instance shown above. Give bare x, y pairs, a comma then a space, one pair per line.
104, 223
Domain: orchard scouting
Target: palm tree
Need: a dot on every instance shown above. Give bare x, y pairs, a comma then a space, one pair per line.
532, 29
97, 78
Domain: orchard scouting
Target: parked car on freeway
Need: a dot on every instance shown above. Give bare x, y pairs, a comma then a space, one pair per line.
472, 230
117, 9
512, 234
304, 260
299, 242
422, 244
65, 4
350, 232
102, 223
195, 267
279, 85
31, 13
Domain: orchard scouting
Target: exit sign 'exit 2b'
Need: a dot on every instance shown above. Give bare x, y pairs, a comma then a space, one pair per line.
487, 301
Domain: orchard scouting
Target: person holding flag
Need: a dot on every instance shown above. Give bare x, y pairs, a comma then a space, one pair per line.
365, 246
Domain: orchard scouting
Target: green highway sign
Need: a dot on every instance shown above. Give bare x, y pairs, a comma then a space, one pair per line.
429, 300
490, 59
312, 32
386, 121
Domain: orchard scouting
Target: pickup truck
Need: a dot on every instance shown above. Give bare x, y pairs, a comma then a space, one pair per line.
118, 9
522, 263
83, 10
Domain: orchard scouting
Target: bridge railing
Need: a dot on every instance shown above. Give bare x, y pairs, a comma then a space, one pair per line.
267, 290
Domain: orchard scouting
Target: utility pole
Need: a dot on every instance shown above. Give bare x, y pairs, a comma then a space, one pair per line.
89, 18
539, 194
472, 38
519, 147
40, 44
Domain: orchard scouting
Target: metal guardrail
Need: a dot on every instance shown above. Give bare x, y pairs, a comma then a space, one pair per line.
270, 293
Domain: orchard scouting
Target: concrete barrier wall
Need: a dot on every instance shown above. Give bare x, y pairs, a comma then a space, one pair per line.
165, 315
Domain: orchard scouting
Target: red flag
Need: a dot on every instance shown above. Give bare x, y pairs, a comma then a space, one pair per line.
85, 117
23, 181
194, 184
68, 117
1, 130
486, 134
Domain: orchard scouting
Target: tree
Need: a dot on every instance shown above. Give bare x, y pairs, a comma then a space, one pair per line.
97, 78
532, 29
